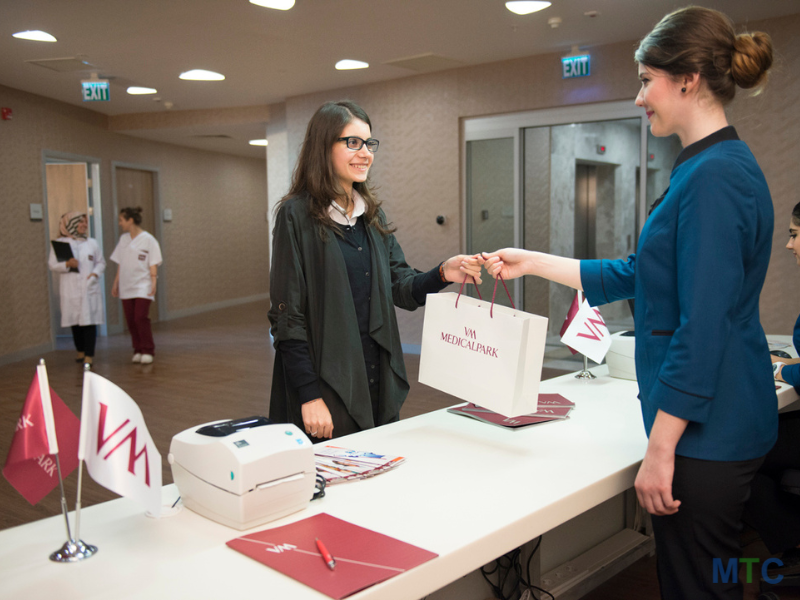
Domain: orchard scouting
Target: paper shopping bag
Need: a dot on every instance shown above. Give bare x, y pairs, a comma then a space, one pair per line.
493, 360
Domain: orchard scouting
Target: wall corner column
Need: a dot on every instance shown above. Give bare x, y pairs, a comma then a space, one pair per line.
279, 172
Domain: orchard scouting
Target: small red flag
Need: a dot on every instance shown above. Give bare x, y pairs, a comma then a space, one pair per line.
29, 467
573, 310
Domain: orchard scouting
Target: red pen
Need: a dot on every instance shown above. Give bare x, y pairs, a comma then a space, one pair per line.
326, 556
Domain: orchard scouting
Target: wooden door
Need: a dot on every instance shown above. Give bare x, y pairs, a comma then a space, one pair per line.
67, 191
136, 187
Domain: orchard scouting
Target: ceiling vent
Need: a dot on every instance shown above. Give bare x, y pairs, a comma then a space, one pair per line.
425, 63
213, 136
70, 64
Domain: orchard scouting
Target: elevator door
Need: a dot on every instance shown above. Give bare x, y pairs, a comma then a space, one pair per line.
579, 201
585, 211
569, 181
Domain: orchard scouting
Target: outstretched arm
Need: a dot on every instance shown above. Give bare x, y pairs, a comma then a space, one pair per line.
511, 263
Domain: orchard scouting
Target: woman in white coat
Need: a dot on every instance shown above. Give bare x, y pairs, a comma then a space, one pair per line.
80, 290
138, 256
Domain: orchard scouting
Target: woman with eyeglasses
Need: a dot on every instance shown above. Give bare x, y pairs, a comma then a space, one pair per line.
337, 274
706, 390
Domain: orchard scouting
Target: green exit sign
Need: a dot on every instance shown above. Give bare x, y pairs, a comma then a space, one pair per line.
575, 66
95, 91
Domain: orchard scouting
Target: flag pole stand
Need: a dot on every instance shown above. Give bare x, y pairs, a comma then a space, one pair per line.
585, 374
73, 550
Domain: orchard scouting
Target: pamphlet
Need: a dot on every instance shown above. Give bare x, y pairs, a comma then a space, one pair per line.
552, 408
362, 557
342, 464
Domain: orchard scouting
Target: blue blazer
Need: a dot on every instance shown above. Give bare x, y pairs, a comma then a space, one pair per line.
701, 353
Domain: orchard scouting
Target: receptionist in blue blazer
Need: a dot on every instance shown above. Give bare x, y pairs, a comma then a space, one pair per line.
788, 369
771, 511
702, 362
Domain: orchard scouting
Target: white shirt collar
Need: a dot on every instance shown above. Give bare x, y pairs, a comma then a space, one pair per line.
338, 214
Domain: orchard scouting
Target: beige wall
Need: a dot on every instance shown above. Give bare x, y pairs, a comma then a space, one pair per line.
418, 118
215, 249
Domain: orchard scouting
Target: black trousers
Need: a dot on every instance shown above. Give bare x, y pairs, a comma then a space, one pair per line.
707, 526
775, 514
84, 337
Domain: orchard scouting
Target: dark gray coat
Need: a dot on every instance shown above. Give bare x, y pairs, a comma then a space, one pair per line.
311, 301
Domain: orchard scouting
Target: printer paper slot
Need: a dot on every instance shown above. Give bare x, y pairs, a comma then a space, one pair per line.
274, 482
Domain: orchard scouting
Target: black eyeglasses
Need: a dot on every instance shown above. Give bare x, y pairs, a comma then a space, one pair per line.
356, 143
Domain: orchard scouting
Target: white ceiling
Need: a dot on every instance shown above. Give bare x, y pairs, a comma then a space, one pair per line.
269, 55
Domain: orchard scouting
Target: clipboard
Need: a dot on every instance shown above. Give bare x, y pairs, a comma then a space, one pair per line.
63, 253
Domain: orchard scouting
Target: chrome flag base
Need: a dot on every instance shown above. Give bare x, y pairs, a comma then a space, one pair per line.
585, 374
73, 551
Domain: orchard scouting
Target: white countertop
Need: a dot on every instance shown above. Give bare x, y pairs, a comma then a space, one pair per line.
468, 491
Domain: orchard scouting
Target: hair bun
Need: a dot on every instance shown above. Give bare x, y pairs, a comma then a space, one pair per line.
751, 59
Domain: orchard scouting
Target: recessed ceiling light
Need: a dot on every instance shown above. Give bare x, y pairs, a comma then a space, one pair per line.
347, 65
36, 36
139, 91
201, 75
277, 4
258, 142
526, 7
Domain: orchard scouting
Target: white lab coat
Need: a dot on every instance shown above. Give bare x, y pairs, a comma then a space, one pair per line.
81, 294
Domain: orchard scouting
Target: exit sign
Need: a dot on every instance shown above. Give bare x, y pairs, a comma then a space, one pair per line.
575, 66
95, 91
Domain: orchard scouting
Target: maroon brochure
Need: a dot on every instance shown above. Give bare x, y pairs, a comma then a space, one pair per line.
552, 407
363, 557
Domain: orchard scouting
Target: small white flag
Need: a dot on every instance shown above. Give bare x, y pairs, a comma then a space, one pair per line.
115, 444
588, 333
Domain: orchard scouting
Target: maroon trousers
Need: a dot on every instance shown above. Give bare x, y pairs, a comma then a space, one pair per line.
137, 312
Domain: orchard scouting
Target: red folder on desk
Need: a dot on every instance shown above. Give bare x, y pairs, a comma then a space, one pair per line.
363, 557
552, 407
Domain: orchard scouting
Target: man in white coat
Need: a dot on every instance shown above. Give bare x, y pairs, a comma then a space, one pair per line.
79, 284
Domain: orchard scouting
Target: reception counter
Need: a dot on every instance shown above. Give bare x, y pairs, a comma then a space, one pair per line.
468, 491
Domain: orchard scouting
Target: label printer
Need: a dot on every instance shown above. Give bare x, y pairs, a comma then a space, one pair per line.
621, 356
245, 472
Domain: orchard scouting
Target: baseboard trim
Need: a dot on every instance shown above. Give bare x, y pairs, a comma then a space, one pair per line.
7, 359
195, 310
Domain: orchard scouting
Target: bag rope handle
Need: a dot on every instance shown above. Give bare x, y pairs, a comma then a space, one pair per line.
491, 310
462, 288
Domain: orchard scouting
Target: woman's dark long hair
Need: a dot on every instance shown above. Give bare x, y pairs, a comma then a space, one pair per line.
314, 175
